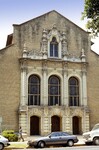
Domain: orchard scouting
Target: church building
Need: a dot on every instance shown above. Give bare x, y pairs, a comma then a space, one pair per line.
49, 77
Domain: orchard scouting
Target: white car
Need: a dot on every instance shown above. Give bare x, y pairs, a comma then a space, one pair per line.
3, 142
92, 136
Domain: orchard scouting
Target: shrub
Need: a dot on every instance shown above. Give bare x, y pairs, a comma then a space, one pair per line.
10, 135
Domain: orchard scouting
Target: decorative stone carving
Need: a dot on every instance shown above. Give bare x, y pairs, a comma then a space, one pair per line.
46, 111
44, 42
35, 111
84, 68
65, 67
83, 56
76, 112
44, 66
64, 44
34, 53
24, 66
54, 33
24, 51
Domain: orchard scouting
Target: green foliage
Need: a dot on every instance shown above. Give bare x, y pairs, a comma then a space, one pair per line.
91, 12
10, 135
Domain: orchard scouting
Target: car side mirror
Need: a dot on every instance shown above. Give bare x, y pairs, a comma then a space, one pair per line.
49, 136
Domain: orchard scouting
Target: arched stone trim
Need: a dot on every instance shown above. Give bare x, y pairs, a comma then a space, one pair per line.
56, 123
56, 111
40, 77
35, 124
34, 90
78, 113
60, 37
35, 112
54, 93
55, 73
76, 125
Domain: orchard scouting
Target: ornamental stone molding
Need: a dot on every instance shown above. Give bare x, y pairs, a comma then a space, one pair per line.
76, 112
47, 36
35, 111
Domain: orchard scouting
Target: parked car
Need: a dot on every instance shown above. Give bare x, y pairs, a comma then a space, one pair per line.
55, 138
3, 142
92, 136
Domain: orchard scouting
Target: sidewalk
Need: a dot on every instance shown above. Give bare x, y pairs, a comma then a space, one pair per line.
81, 140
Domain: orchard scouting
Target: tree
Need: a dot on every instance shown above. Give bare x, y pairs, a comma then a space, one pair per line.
91, 12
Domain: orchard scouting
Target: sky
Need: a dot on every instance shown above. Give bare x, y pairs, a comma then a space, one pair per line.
19, 11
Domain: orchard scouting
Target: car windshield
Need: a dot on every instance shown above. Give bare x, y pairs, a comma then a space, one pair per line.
96, 127
54, 134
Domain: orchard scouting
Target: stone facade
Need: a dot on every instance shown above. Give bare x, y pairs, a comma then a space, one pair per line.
49, 77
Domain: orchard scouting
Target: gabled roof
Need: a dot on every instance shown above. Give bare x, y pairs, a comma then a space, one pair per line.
53, 11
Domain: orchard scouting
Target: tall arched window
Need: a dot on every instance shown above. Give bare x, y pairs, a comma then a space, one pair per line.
33, 90
73, 92
54, 91
54, 47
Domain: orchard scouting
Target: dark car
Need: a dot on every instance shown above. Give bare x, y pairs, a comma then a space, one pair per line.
55, 138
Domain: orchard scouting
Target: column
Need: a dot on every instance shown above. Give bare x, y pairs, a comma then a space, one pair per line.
84, 88
23, 85
45, 84
65, 85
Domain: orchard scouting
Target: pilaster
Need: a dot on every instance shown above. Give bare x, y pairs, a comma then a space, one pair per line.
84, 85
23, 84
45, 85
65, 84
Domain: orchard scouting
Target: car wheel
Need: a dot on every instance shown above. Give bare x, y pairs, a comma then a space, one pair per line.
70, 143
96, 141
1, 146
41, 144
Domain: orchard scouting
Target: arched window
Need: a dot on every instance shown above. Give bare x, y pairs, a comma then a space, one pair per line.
33, 90
73, 92
53, 91
54, 47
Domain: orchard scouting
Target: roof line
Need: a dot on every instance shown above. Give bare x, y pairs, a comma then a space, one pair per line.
48, 13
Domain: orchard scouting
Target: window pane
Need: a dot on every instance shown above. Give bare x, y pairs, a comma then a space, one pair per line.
30, 100
73, 92
51, 50
56, 100
54, 48
33, 79
34, 90
54, 80
54, 90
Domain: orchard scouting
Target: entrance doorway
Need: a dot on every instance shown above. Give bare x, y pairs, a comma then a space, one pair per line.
55, 122
34, 125
76, 125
